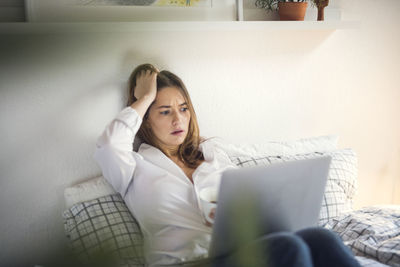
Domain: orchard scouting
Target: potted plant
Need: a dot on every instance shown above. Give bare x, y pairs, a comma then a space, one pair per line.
320, 4
288, 9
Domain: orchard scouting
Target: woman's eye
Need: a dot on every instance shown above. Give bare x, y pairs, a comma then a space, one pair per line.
166, 112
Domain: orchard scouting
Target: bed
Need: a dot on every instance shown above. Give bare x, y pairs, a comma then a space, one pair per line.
96, 219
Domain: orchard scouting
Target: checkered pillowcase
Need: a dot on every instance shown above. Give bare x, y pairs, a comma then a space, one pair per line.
104, 226
371, 232
342, 180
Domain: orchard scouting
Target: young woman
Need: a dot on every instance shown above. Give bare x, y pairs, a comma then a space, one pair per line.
160, 183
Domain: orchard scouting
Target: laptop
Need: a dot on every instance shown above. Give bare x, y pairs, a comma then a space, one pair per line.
254, 201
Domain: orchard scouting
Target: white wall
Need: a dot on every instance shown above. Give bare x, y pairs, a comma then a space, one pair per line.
58, 92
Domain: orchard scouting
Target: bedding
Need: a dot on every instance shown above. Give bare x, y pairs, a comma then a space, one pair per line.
97, 217
88, 190
283, 148
371, 232
104, 229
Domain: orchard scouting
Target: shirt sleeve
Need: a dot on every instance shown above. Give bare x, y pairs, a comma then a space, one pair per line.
114, 149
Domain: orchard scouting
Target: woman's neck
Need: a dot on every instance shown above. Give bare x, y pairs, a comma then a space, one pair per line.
171, 152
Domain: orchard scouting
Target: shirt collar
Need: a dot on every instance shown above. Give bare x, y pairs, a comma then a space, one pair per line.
157, 157
149, 150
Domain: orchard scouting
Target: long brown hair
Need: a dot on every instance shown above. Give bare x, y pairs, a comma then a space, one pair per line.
188, 151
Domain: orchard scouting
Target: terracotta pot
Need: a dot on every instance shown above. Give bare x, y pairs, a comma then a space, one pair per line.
321, 10
292, 10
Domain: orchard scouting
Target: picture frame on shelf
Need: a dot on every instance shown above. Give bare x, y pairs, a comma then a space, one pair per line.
128, 11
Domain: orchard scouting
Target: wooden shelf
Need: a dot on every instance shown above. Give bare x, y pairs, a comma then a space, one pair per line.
171, 26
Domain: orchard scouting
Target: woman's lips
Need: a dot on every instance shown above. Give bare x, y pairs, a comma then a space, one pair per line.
178, 132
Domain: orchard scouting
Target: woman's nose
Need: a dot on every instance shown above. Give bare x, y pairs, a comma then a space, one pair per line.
176, 118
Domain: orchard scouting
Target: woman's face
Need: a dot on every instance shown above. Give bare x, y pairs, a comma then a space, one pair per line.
169, 117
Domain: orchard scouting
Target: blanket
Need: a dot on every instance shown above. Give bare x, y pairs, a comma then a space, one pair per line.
372, 233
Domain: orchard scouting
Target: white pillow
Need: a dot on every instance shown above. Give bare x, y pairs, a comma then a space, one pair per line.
271, 148
91, 189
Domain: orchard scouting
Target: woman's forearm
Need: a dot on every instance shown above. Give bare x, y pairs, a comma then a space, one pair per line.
142, 104
113, 151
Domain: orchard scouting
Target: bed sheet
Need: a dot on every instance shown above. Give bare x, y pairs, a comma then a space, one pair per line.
371, 233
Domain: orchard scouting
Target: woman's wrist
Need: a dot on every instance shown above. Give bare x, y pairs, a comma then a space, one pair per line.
142, 104
148, 97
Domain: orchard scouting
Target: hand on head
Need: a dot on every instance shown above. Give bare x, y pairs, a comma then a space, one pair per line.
146, 84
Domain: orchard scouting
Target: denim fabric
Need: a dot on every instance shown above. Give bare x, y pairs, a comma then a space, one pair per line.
314, 246
327, 249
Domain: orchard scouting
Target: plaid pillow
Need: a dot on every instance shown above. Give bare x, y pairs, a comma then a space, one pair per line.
104, 230
342, 179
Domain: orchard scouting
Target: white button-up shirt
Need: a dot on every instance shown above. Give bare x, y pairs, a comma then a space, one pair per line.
158, 192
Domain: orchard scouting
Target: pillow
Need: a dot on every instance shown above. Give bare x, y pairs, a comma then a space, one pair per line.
91, 189
104, 229
271, 148
342, 178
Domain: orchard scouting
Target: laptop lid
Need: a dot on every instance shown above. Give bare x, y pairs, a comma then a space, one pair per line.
254, 201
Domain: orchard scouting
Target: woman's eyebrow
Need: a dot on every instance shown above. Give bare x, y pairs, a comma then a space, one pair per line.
164, 106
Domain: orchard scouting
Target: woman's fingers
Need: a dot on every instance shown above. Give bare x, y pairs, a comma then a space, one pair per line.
145, 73
141, 74
212, 213
146, 83
212, 216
